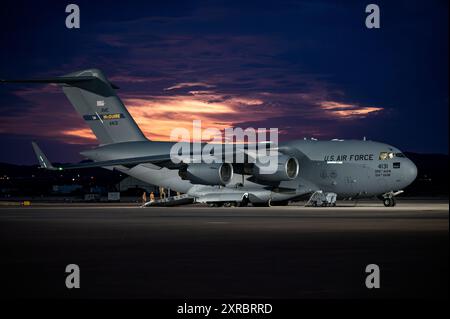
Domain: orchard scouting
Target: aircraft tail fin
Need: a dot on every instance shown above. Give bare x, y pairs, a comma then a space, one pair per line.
42, 159
95, 99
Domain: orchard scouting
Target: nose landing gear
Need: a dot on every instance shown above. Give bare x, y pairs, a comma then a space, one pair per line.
389, 202
389, 198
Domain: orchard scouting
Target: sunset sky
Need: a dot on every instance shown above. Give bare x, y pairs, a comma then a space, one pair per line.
308, 68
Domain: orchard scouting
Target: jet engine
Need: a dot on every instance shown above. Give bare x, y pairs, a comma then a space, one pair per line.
207, 174
278, 169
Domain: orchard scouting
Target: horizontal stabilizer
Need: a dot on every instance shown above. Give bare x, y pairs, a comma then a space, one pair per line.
58, 80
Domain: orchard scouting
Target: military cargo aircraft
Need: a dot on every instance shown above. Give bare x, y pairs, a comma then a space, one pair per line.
349, 169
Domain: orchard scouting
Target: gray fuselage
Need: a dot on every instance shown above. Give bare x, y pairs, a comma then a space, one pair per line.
351, 169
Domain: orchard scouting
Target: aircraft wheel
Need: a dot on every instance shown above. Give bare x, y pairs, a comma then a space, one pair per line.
388, 202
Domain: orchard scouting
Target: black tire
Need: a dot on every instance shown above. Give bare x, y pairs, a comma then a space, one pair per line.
387, 202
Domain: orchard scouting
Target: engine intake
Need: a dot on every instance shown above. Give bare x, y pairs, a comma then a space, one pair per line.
207, 174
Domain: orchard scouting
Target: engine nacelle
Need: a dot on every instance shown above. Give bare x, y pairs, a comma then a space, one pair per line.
207, 174
286, 169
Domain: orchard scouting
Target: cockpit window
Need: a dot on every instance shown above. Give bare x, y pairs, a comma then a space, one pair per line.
400, 155
386, 155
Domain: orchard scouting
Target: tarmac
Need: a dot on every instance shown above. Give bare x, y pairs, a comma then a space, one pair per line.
194, 251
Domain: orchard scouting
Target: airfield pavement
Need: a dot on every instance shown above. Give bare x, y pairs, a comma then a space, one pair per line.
194, 251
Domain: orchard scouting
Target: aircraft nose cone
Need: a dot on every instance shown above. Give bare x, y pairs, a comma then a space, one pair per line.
411, 171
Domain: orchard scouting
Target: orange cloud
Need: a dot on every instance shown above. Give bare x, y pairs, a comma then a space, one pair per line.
79, 135
52, 116
345, 110
188, 84
178, 104
159, 116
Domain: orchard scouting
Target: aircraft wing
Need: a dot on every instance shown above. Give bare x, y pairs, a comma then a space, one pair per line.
163, 160
45, 163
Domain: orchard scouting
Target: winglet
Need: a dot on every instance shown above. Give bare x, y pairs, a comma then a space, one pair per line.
42, 159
